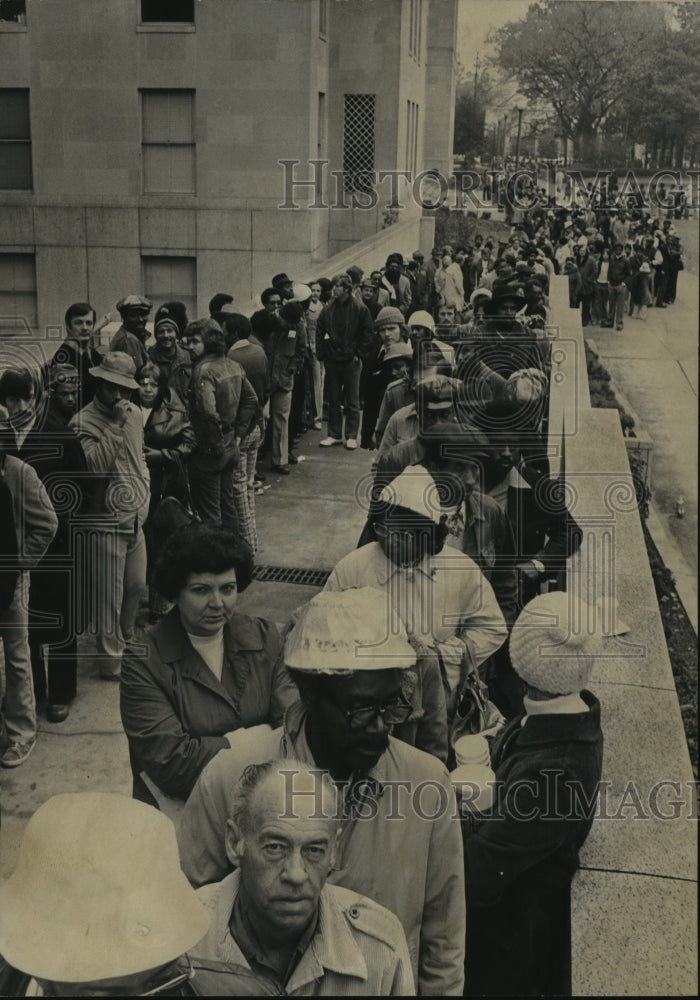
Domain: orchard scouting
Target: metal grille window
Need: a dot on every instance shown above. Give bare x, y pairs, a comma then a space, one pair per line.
171, 278
358, 142
167, 10
323, 18
17, 294
168, 141
15, 141
415, 31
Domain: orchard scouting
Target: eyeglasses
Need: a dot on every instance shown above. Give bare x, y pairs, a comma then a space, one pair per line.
393, 714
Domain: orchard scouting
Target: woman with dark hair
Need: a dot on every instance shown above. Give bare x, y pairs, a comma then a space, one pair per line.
167, 434
205, 672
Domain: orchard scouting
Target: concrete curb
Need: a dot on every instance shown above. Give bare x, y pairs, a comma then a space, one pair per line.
685, 580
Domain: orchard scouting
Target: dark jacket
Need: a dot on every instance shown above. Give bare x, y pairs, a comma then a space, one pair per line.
253, 360
169, 433
223, 406
344, 331
518, 871
176, 713
588, 270
178, 368
53, 450
130, 344
619, 270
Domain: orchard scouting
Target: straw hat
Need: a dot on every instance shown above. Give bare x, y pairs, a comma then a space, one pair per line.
340, 632
98, 892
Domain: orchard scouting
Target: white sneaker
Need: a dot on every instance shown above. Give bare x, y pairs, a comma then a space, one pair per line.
351, 444
327, 442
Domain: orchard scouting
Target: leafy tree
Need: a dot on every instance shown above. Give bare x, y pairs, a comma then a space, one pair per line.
581, 58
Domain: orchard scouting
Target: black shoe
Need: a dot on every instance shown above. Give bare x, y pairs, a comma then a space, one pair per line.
292, 459
57, 713
281, 470
260, 476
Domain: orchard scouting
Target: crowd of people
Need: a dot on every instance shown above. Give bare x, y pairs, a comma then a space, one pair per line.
131, 474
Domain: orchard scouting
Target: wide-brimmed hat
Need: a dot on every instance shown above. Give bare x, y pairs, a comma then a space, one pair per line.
117, 367
341, 632
98, 892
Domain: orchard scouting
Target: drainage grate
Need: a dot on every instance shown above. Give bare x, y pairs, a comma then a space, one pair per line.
282, 574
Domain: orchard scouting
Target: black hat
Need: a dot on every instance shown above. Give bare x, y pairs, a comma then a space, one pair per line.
280, 280
176, 312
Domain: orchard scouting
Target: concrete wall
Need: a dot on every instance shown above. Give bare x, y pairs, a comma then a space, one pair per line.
257, 68
634, 901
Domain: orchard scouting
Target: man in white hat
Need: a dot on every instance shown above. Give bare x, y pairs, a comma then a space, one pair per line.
276, 921
522, 857
348, 653
442, 597
97, 905
110, 431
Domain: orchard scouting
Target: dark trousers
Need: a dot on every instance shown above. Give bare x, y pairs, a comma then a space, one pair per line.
53, 602
343, 383
213, 495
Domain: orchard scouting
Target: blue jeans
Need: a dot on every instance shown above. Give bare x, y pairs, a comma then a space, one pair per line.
343, 385
119, 580
20, 707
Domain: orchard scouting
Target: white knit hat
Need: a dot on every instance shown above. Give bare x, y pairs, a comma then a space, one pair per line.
414, 489
340, 632
97, 892
422, 318
554, 643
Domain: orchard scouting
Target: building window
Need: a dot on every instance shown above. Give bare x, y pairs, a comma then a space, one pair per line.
17, 294
15, 141
179, 11
168, 141
322, 18
171, 278
415, 29
358, 142
13, 11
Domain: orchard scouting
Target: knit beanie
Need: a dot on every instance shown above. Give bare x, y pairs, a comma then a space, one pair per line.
554, 643
388, 316
175, 312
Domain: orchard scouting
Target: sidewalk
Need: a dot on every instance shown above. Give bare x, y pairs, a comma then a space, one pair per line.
655, 364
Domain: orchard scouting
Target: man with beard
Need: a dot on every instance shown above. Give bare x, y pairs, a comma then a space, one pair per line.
53, 450
132, 335
348, 653
397, 284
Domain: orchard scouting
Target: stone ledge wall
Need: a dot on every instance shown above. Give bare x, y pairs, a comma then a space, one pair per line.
634, 901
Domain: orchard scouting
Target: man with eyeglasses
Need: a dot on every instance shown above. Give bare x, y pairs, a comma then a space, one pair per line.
400, 844
97, 905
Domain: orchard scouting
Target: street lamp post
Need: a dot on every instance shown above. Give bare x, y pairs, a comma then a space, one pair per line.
517, 141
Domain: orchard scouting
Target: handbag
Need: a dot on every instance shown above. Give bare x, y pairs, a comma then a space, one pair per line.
474, 712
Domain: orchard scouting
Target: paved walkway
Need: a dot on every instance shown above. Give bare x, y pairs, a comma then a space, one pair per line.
655, 364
